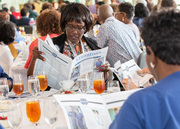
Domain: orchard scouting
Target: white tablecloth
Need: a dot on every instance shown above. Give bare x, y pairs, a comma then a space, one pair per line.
18, 68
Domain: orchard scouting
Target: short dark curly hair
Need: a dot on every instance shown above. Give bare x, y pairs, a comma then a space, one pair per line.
7, 32
77, 12
48, 22
161, 32
168, 3
127, 8
47, 5
141, 10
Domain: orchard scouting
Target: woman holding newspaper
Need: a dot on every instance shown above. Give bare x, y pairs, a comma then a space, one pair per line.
76, 20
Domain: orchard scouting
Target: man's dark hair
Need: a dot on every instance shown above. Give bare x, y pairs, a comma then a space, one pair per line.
24, 11
141, 10
7, 32
28, 5
127, 8
76, 12
5, 9
161, 32
100, 3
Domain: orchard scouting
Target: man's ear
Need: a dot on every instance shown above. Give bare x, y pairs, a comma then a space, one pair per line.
152, 55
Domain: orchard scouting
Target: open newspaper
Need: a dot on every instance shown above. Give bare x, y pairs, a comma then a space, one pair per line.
89, 111
132, 71
59, 67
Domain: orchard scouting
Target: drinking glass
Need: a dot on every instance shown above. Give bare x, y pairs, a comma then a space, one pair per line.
99, 83
15, 116
4, 88
34, 86
42, 80
18, 86
33, 110
113, 86
66, 84
83, 84
51, 111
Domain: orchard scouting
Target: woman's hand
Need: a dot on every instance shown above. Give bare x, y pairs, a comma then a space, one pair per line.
128, 84
37, 54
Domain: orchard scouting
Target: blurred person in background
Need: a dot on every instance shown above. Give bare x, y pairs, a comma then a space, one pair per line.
119, 37
7, 36
47, 23
46, 5
24, 21
5, 16
157, 107
125, 14
168, 4
55, 5
12, 18
141, 11
32, 14
17, 15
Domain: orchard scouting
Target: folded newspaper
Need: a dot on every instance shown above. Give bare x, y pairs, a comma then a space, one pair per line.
89, 111
130, 70
59, 67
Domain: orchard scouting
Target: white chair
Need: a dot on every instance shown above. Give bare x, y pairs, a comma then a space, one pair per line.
142, 60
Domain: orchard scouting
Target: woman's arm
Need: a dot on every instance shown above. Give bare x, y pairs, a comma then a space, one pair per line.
36, 55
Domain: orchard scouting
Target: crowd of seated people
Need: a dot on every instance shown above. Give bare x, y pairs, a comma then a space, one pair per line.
120, 30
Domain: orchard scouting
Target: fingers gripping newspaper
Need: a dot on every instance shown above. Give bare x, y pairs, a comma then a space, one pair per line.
92, 111
59, 67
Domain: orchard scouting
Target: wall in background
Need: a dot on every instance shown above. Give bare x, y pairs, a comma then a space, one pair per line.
14, 3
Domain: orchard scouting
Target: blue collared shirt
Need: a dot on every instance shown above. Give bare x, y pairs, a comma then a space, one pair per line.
155, 107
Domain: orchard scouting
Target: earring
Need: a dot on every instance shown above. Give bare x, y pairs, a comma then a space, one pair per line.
123, 19
152, 65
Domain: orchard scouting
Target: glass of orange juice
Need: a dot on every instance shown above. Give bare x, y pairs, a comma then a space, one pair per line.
33, 110
99, 83
42, 80
18, 86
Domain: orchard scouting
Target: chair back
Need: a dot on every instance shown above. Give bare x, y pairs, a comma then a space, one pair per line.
142, 60
27, 29
13, 50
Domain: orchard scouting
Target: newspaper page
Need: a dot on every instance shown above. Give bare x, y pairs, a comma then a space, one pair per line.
59, 67
56, 65
130, 70
114, 101
88, 61
87, 111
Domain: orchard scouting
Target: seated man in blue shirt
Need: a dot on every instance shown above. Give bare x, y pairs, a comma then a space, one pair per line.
9, 79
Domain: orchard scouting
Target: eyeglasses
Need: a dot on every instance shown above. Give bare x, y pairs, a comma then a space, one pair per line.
78, 29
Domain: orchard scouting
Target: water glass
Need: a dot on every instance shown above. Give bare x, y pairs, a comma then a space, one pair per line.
83, 84
34, 86
113, 86
15, 116
99, 83
51, 111
66, 84
4, 88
